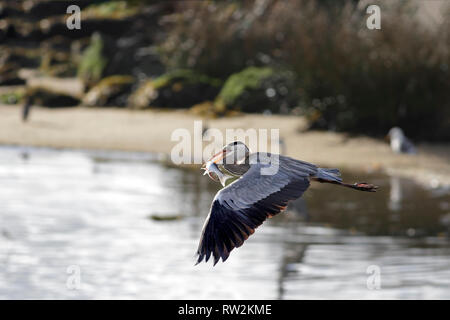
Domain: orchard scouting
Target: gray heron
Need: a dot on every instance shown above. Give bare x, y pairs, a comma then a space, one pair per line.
250, 196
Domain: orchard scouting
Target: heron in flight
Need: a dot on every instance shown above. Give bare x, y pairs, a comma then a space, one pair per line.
250, 195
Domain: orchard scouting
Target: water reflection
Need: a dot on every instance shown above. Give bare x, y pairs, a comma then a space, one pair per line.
396, 194
91, 209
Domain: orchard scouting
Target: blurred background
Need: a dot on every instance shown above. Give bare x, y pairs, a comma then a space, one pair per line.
86, 117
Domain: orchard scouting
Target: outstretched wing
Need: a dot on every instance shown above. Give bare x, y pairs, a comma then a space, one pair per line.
241, 207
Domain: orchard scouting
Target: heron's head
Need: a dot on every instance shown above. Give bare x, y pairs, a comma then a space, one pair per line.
233, 153
228, 163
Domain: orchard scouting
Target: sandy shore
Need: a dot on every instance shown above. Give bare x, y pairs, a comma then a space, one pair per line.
128, 130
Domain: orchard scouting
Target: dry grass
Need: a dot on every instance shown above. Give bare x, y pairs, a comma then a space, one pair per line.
349, 78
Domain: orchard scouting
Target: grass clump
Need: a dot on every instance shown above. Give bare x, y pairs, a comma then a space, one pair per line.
14, 97
93, 62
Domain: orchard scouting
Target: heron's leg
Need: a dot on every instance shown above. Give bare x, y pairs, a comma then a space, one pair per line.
361, 186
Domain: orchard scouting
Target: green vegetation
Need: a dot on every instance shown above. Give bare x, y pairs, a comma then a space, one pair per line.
13, 97
111, 10
248, 79
93, 62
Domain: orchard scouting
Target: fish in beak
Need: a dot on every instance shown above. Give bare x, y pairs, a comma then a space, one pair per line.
213, 171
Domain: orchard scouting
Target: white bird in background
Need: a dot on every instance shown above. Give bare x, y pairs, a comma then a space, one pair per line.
399, 142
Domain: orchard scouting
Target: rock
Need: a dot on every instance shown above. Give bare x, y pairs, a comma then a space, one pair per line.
209, 109
21, 57
66, 86
177, 89
12, 94
55, 92
166, 217
259, 89
110, 91
52, 99
9, 75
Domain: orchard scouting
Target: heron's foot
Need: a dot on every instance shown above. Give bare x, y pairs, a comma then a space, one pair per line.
363, 186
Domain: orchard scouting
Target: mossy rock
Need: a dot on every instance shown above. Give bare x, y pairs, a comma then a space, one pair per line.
176, 89
258, 89
209, 109
110, 91
93, 61
248, 79
12, 97
206, 109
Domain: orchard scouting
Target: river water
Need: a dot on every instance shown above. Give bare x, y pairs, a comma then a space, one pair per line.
87, 225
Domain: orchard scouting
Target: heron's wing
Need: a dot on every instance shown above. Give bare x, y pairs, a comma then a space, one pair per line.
241, 207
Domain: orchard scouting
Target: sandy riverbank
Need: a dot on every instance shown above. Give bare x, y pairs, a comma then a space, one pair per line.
128, 130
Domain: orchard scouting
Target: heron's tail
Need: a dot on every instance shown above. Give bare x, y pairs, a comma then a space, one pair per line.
334, 176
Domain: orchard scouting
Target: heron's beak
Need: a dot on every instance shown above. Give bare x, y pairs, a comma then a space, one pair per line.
217, 157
